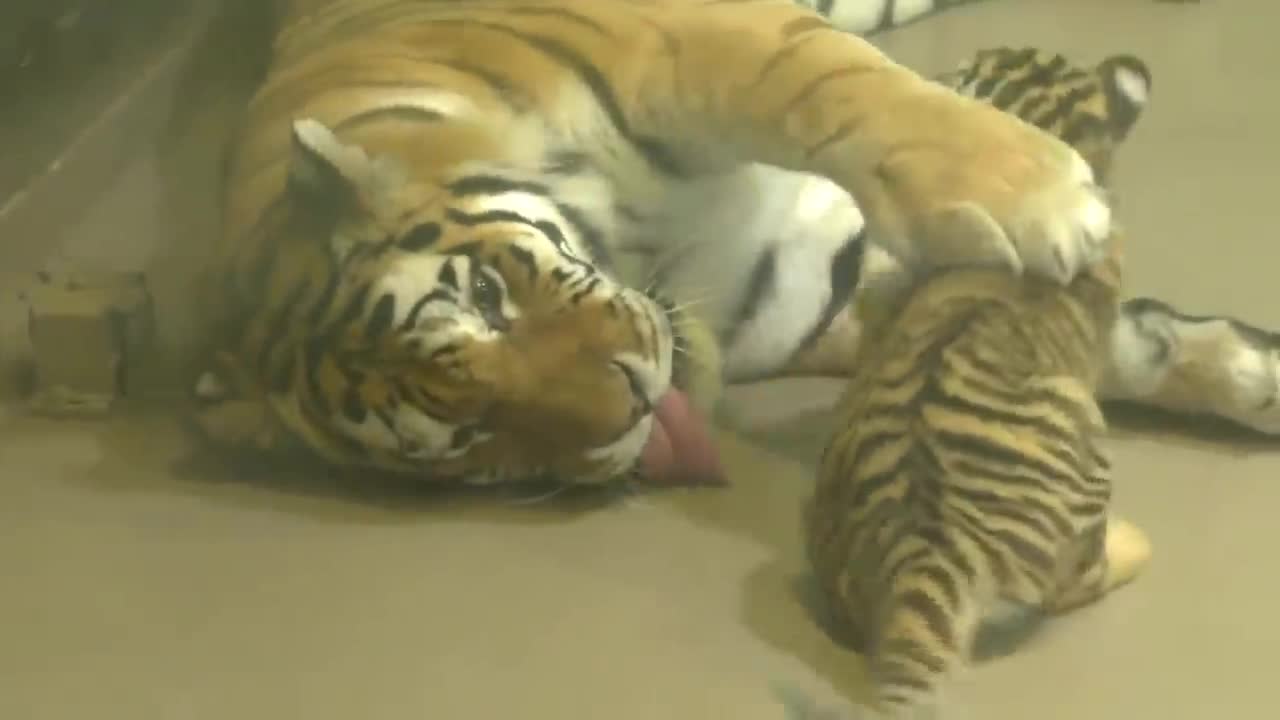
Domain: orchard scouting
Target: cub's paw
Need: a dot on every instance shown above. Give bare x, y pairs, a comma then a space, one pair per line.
965, 183
1128, 550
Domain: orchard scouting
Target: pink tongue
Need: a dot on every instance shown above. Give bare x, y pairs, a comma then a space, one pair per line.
680, 450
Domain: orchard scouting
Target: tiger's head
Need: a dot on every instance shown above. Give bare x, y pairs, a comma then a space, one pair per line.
1091, 109
460, 327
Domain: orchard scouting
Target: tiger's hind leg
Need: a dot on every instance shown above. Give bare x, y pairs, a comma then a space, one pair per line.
1108, 555
1212, 365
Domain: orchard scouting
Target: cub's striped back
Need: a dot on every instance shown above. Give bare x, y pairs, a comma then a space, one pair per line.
967, 471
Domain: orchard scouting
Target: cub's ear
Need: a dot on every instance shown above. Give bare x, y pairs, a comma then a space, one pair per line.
1127, 82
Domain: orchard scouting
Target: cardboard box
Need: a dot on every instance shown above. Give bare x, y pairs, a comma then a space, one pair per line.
84, 328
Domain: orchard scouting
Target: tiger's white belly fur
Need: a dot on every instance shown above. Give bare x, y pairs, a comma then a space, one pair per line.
754, 254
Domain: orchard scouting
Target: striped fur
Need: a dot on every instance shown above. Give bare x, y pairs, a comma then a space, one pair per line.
434, 210
966, 472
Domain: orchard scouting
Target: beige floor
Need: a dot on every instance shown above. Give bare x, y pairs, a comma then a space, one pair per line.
136, 585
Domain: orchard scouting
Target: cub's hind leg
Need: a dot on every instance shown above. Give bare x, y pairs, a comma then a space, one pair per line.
1108, 555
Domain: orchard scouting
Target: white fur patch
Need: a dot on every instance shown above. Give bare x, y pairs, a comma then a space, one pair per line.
620, 455
411, 278
1134, 372
859, 16
654, 379
1095, 216
528, 205
856, 16
715, 230
1133, 85
908, 10
1082, 172
448, 104
316, 137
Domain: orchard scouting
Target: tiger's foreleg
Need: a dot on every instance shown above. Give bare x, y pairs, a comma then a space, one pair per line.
230, 414
942, 179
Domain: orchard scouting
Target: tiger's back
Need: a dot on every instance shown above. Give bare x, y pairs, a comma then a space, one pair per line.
966, 470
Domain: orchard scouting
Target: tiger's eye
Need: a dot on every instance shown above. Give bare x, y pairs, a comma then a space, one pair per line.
486, 296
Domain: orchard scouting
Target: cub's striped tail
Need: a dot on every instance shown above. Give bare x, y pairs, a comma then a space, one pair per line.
929, 616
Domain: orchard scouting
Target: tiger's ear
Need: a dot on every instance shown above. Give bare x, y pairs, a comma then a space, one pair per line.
329, 175
1127, 82
322, 170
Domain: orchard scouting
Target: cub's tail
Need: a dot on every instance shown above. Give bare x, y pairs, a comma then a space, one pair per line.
928, 624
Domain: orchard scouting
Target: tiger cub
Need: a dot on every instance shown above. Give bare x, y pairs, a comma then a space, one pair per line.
967, 471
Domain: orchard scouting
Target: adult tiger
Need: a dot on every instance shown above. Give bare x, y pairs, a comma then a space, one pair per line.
438, 217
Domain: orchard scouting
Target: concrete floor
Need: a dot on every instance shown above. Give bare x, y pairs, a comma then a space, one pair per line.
139, 585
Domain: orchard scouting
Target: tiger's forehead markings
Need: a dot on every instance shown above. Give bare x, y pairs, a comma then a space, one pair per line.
469, 249
495, 198
410, 284
547, 230
422, 237
448, 276
495, 190
482, 184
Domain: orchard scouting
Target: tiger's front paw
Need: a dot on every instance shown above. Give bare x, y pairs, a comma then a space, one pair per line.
965, 183
229, 415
